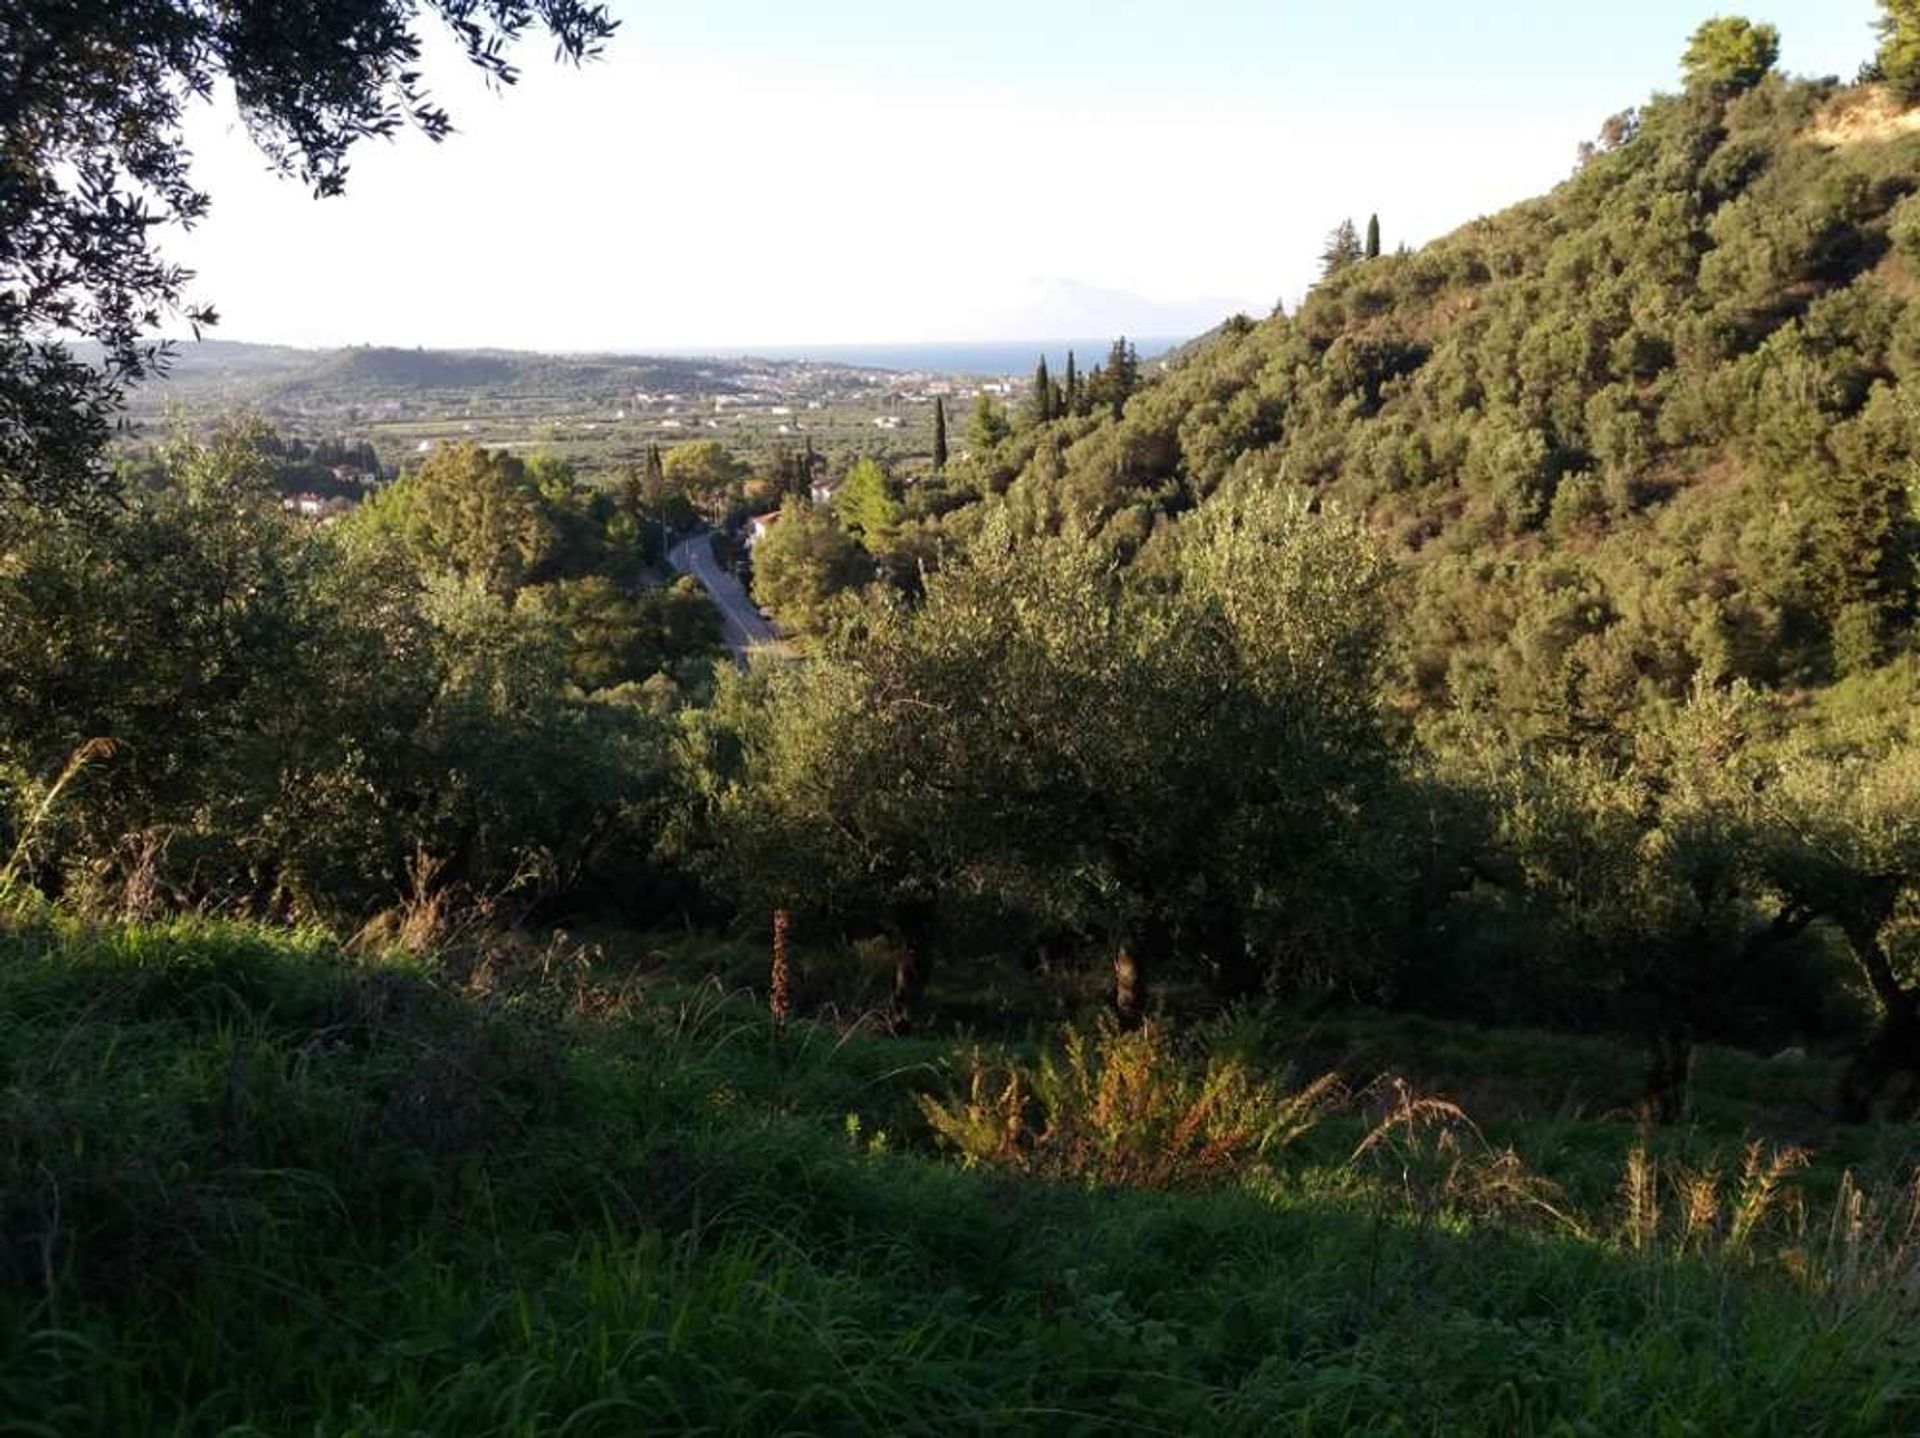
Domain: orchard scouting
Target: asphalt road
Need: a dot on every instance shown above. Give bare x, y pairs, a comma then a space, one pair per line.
744, 627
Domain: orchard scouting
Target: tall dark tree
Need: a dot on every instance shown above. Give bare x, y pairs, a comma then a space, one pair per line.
96, 166
1121, 375
939, 435
1071, 399
1373, 237
1040, 406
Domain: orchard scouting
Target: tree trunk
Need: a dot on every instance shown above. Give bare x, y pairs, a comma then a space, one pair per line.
909, 987
1670, 1076
1129, 986
913, 923
1237, 973
1894, 1049
1135, 961
780, 982
780, 987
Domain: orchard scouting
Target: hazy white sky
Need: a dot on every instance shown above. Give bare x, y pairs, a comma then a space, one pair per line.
740, 172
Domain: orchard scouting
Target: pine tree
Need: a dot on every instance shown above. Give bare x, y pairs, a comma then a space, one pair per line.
1070, 401
988, 427
1900, 47
1373, 237
1343, 250
939, 435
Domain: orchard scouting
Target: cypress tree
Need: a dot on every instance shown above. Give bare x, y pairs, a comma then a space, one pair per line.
1071, 400
1122, 374
1042, 402
939, 435
1373, 237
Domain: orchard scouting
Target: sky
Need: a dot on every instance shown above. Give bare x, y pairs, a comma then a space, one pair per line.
758, 172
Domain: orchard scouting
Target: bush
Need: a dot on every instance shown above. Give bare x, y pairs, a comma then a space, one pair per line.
1129, 1109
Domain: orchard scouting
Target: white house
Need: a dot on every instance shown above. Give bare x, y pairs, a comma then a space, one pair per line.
759, 526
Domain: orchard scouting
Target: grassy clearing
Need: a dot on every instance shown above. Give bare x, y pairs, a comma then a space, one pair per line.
252, 1186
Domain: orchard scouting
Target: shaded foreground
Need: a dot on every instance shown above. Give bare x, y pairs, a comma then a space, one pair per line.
252, 1186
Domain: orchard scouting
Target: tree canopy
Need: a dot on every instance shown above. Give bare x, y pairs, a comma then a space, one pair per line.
1728, 54
1899, 56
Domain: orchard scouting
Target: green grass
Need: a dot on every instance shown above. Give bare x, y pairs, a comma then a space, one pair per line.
251, 1186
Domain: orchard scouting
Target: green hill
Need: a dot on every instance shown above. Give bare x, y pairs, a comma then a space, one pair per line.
1658, 422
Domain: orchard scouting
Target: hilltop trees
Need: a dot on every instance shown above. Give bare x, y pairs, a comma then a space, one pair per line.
1728, 54
1900, 47
97, 165
1611, 450
1343, 250
1373, 237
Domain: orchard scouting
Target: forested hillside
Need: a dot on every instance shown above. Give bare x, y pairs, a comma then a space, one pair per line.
1659, 423
1521, 629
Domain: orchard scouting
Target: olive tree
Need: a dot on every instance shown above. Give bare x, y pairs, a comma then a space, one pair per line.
1161, 764
1843, 839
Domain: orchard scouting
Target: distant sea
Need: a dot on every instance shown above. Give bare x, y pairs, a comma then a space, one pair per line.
992, 359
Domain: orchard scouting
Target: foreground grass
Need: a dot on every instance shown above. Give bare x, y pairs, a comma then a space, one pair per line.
252, 1187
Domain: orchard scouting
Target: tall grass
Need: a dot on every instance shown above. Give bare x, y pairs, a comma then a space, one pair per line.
254, 1186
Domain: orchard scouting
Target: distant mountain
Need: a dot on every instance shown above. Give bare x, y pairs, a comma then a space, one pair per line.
274, 374
1046, 307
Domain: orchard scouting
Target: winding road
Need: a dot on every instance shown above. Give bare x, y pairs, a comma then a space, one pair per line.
745, 628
